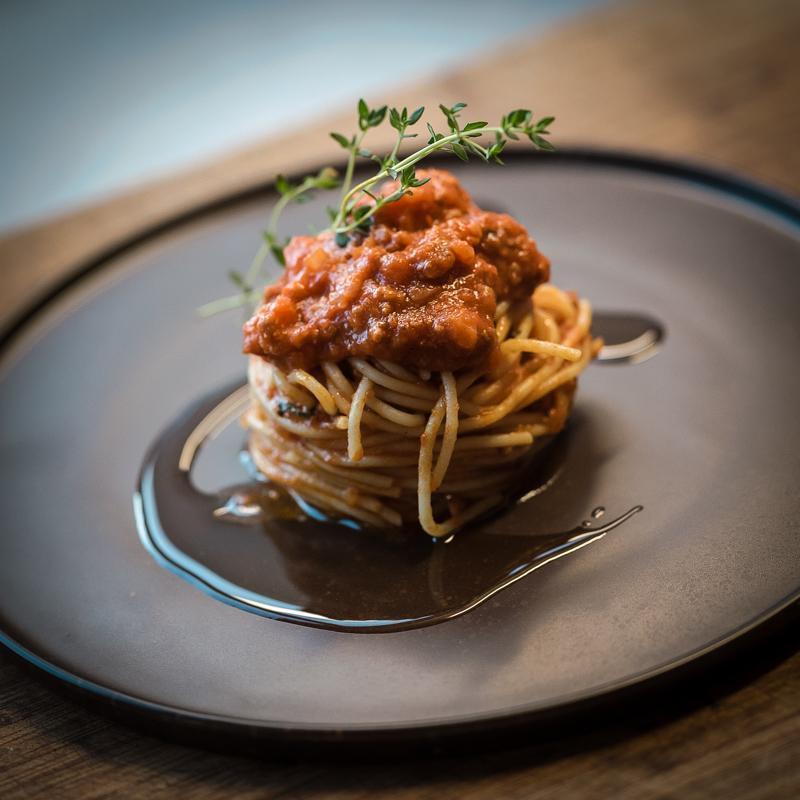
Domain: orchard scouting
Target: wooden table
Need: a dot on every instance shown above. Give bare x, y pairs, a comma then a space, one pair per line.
715, 81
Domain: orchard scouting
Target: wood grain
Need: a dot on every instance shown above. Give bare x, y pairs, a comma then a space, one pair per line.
704, 79
736, 735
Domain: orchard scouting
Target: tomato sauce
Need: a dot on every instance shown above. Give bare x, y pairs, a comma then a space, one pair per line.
419, 289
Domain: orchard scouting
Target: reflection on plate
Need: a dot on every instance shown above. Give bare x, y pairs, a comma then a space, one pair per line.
312, 571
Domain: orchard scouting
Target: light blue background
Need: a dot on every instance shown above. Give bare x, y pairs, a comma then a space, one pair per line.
97, 95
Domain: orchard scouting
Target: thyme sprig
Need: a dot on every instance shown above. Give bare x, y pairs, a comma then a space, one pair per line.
359, 203
249, 293
356, 213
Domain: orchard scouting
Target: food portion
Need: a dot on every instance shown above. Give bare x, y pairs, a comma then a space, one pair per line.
420, 289
403, 373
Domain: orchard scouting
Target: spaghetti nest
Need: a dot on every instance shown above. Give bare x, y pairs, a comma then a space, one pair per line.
367, 439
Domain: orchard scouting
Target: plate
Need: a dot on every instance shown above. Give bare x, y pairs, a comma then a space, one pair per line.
704, 435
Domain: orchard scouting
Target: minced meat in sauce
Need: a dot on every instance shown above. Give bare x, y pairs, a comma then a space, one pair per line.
419, 290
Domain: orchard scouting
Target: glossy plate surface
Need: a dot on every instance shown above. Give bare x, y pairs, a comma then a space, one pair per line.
705, 435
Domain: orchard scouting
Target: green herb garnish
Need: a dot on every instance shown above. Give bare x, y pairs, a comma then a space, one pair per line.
249, 294
358, 204
285, 407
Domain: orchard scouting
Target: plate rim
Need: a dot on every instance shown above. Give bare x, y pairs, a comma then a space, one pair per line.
727, 182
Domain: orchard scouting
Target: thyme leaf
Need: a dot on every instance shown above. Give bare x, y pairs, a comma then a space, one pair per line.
285, 407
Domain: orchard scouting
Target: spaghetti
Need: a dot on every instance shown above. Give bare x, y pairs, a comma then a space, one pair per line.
392, 441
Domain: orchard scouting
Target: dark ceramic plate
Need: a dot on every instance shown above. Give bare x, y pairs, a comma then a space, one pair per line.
705, 436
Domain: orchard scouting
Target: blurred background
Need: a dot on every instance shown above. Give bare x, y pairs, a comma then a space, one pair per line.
103, 94
117, 115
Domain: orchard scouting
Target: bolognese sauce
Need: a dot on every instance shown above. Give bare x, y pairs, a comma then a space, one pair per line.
419, 289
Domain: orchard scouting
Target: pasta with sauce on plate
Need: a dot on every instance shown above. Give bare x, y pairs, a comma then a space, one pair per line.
406, 375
